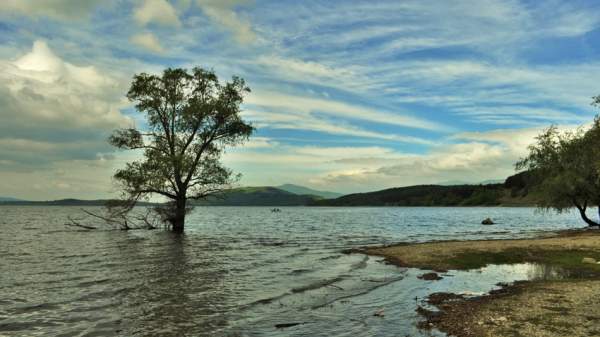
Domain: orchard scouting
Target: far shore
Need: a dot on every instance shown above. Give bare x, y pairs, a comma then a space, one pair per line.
565, 307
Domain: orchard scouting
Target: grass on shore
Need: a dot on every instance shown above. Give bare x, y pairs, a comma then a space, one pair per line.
565, 250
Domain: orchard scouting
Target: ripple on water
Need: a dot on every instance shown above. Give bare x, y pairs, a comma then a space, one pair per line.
237, 271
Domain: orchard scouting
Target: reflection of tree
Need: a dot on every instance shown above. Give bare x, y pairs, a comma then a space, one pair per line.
546, 272
177, 287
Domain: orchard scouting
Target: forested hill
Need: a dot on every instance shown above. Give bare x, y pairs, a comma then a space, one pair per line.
512, 192
258, 196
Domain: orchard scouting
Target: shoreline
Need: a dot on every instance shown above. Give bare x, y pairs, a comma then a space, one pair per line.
557, 306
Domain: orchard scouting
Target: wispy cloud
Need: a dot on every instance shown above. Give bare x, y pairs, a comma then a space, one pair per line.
356, 95
148, 41
332, 107
156, 11
223, 12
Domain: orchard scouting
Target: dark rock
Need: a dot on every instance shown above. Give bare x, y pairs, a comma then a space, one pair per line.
487, 221
441, 298
379, 313
430, 277
288, 325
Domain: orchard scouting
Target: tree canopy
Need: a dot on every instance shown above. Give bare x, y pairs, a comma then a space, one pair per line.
565, 169
190, 119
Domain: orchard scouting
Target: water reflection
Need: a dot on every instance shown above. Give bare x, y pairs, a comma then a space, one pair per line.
546, 272
180, 286
527, 272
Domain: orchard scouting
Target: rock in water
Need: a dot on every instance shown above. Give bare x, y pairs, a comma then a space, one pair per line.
588, 260
487, 221
430, 277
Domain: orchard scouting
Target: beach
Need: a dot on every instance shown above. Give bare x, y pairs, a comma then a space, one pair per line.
562, 302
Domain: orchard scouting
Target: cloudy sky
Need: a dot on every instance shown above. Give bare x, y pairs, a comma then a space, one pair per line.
346, 95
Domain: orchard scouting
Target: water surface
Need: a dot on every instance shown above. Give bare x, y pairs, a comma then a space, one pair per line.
238, 271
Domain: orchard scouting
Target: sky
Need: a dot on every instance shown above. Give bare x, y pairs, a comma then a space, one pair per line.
348, 96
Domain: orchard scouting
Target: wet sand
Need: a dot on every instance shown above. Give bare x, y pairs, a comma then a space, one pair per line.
568, 307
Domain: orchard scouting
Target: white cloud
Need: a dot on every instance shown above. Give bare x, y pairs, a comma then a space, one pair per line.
475, 157
156, 11
55, 110
302, 69
223, 12
148, 41
57, 9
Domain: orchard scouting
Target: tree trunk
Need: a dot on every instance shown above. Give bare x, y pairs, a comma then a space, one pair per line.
178, 222
587, 220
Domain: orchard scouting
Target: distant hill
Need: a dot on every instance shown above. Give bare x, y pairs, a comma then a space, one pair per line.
492, 181
2, 199
512, 193
461, 182
301, 190
245, 196
258, 196
61, 202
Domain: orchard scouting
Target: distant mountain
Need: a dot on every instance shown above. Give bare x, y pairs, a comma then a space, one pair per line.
301, 190
2, 199
258, 196
245, 196
462, 182
513, 192
61, 202
452, 183
491, 182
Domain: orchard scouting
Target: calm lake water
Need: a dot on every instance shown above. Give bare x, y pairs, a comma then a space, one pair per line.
238, 271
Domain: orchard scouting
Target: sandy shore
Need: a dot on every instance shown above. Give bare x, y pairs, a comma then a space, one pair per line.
568, 307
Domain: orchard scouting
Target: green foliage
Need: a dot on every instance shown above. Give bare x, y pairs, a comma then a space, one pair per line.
191, 119
565, 168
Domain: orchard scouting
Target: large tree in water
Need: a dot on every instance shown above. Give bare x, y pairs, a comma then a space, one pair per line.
565, 169
191, 118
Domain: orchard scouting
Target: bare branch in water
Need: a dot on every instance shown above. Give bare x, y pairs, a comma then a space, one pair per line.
119, 215
75, 223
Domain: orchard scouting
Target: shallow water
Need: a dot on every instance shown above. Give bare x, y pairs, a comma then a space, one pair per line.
239, 271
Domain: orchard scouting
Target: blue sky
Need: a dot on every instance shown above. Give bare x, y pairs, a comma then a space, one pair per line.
346, 95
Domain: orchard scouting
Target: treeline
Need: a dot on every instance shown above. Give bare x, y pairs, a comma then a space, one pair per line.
513, 192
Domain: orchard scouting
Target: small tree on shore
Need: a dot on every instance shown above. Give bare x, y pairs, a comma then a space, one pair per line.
191, 118
565, 169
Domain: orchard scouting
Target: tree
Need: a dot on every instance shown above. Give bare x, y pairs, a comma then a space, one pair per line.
565, 169
191, 119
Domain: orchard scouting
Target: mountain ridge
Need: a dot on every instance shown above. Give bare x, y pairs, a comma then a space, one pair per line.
303, 190
513, 192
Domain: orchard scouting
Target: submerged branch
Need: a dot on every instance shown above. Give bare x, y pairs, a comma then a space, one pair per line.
75, 223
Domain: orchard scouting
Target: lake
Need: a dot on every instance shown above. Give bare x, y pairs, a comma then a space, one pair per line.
238, 271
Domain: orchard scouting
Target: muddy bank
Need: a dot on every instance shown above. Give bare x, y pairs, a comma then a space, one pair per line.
544, 307
532, 309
